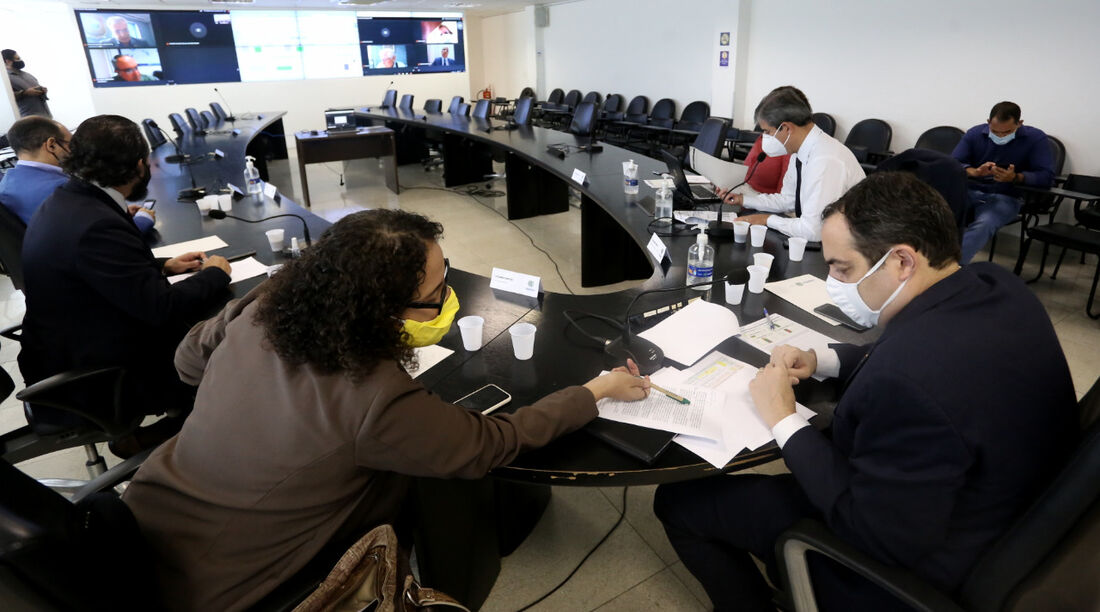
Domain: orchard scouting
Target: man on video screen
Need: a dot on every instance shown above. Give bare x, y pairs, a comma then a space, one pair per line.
120, 30
126, 69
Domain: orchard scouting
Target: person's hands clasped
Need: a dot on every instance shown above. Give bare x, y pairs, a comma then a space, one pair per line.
729, 197
1004, 175
772, 394
799, 363
622, 383
195, 260
985, 169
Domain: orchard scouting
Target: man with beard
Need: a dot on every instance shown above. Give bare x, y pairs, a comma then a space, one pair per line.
96, 296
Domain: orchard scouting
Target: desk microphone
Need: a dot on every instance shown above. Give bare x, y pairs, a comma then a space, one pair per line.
724, 229
646, 354
215, 213
180, 157
231, 117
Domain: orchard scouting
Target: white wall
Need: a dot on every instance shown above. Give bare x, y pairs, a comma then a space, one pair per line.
505, 48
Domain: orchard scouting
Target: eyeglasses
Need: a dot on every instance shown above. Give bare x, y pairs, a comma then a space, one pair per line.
438, 306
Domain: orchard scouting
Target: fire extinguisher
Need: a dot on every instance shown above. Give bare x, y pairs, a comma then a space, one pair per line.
486, 94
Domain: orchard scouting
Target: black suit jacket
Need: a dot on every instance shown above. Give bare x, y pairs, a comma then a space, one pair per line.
949, 425
96, 296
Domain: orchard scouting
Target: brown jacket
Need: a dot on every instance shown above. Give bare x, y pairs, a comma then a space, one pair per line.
275, 459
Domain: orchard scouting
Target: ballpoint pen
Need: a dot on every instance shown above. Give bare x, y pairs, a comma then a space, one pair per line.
768, 316
670, 394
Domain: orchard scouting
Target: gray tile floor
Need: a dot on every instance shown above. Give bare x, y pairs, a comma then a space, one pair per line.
636, 568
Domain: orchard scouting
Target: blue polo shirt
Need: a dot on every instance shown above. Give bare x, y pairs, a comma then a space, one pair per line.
1029, 152
27, 185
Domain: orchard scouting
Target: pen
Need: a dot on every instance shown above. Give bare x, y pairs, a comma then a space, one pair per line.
768, 316
670, 394
240, 256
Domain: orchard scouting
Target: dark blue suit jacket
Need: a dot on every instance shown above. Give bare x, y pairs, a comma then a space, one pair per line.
949, 425
96, 296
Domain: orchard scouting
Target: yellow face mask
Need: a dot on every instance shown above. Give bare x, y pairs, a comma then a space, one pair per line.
427, 333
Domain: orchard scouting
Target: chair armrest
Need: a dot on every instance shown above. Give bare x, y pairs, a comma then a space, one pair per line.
15, 332
1061, 179
56, 392
1054, 191
807, 535
113, 477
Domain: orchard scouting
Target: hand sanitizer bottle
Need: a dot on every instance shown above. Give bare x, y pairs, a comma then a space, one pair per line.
663, 209
252, 182
700, 264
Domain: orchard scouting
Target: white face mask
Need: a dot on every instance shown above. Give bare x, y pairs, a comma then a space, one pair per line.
850, 302
772, 147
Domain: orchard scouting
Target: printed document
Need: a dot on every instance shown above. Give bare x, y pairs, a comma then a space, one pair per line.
806, 291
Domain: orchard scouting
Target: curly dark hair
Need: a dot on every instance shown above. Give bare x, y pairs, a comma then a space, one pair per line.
337, 307
106, 149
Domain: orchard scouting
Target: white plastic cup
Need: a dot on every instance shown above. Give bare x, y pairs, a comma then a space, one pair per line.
763, 259
523, 340
206, 203
797, 248
734, 293
471, 328
757, 276
757, 234
740, 231
275, 239
225, 202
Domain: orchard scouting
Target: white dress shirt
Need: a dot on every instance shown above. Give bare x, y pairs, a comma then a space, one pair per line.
120, 199
829, 169
828, 365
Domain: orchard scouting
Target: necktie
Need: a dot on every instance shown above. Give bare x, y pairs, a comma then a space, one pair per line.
798, 188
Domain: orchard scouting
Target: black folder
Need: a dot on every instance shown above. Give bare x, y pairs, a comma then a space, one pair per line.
642, 443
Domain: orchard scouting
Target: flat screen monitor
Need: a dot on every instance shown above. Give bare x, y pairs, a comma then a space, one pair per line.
407, 45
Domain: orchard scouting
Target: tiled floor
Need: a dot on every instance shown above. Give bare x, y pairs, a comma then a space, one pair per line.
636, 568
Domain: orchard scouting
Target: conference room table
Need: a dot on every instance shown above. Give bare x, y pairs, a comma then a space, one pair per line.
464, 527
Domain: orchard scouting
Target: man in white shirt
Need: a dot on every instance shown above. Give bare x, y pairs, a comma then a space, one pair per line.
821, 170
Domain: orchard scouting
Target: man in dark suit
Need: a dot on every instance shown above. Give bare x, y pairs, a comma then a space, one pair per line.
96, 296
443, 60
947, 427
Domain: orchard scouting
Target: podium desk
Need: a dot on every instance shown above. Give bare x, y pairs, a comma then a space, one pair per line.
318, 147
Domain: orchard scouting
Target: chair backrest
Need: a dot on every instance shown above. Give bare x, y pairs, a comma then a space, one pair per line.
209, 118
1058, 152
179, 124
583, 119
593, 97
826, 122
152, 134
1083, 183
481, 109
12, 229
390, 99
527, 93
663, 113
433, 105
455, 101
522, 116
943, 138
406, 102
463, 110
638, 109
556, 96
694, 115
572, 99
873, 135
195, 119
939, 170
219, 112
711, 138
612, 104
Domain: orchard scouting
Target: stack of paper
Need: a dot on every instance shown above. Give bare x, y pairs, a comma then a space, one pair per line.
693, 330
806, 291
242, 270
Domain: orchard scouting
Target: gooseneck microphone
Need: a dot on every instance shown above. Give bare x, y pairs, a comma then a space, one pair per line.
724, 229
646, 354
180, 157
221, 214
231, 118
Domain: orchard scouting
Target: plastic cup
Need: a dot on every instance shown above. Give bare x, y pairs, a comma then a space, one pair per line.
275, 239
206, 203
734, 293
471, 328
757, 276
523, 340
740, 231
797, 248
763, 259
225, 202
757, 233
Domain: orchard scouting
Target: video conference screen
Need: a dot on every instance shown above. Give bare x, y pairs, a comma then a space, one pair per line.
140, 48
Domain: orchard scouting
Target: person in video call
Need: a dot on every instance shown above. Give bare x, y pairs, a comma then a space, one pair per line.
444, 60
387, 58
120, 31
126, 69
441, 34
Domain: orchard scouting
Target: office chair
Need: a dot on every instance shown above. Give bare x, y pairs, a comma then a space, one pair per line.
179, 125
711, 139
583, 120
406, 102
481, 109
219, 112
195, 120
528, 93
661, 120
612, 108
559, 118
869, 140
152, 134
390, 99
593, 96
691, 121
1045, 561
433, 105
12, 229
208, 118
826, 122
463, 110
637, 112
455, 101
943, 139
556, 96
1038, 204
522, 115
939, 170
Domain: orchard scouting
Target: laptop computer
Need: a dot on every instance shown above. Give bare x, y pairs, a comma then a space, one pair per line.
699, 194
340, 119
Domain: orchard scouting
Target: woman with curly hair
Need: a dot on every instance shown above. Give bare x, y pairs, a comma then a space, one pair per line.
306, 427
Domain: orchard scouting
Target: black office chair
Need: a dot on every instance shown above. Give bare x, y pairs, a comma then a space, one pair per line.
219, 112
661, 119
711, 139
179, 125
481, 109
12, 229
687, 128
390, 99
522, 115
593, 96
826, 122
528, 93
1038, 204
406, 102
583, 120
612, 108
869, 140
453, 107
463, 110
152, 133
559, 118
637, 112
943, 138
939, 170
556, 96
195, 120
208, 118
433, 105
1045, 561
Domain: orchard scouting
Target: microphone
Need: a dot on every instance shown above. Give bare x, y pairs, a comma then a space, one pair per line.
180, 157
646, 354
231, 117
215, 213
724, 229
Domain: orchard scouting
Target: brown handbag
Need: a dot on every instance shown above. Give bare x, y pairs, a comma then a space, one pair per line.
367, 578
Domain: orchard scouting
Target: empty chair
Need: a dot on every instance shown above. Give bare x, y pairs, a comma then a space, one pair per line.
711, 138
481, 109
455, 102
390, 99
463, 110
869, 140
571, 99
555, 98
522, 116
433, 105
179, 125
693, 116
152, 133
527, 93
583, 119
663, 114
406, 102
942, 139
826, 122
612, 108
219, 112
195, 119
209, 118
637, 112
593, 97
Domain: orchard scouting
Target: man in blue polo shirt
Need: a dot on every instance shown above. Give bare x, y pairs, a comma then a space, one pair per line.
41, 145
997, 155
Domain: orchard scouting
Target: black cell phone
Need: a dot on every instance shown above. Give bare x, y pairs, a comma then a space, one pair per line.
485, 400
149, 204
836, 314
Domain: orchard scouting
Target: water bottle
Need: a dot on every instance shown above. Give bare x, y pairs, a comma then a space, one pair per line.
700, 268
630, 178
253, 184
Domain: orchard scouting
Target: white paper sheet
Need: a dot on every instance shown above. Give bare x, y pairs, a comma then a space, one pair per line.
722, 173
705, 215
242, 270
692, 179
429, 356
692, 331
806, 291
658, 411
208, 243
759, 334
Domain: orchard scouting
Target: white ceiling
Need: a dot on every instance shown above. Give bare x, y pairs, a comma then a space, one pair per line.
473, 7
